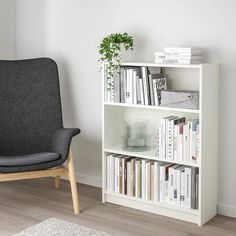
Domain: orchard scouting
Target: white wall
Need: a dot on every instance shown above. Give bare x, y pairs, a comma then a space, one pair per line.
70, 31
7, 29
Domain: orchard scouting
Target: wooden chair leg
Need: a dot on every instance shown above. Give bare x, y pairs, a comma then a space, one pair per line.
57, 182
73, 185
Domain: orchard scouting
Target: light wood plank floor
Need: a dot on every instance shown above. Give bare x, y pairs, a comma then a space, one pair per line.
25, 203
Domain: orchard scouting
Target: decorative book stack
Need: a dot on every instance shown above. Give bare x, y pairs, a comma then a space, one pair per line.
182, 55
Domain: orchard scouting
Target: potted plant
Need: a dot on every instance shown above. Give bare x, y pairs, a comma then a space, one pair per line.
110, 51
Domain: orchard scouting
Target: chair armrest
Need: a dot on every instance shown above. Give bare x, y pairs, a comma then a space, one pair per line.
62, 139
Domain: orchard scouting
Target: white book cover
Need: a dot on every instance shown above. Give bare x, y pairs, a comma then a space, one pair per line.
169, 137
117, 174
178, 172
162, 183
141, 91
178, 61
156, 182
163, 180
192, 50
188, 181
193, 141
148, 180
122, 85
186, 143
143, 181
137, 178
129, 183
135, 100
152, 181
172, 184
175, 143
180, 140
182, 188
151, 89
108, 172
112, 172
163, 139
155, 94
129, 86
144, 70
139, 100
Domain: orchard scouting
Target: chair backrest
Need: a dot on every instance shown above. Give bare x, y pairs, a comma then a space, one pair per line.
30, 105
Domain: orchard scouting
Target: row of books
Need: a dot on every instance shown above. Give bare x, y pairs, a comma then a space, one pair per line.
135, 85
153, 180
178, 140
180, 55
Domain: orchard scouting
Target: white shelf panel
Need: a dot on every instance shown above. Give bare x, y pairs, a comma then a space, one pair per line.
150, 64
150, 154
152, 107
160, 204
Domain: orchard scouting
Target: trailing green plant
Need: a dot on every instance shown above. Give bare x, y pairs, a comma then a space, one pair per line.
110, 49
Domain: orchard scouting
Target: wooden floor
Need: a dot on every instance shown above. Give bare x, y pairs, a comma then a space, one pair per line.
25, 203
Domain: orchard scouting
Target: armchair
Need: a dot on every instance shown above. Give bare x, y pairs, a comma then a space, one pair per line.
33, 141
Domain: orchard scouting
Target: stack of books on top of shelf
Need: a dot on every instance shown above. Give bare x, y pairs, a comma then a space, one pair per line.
153, 180
178, 140
182, 55
135, 85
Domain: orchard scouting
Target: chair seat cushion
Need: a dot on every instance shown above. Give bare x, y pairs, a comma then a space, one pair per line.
31, 159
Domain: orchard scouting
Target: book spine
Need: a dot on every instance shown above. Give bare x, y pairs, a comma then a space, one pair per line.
152, 182
120, 175
129, 87
197, 191
175, 143
134, 75
143, 179
151, 90
193, 187
123, 175
108, 164
137, 179
145, 85
116, 87
123, 84
148, 180
176, 61
182, 188
156, 182
169, 139
155, 92
139, 101
178, 187
129, 183
171, 185
188, 187
163, 139
162, 183
141, 91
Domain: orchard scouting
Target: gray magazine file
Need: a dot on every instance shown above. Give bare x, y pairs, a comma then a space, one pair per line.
180, 99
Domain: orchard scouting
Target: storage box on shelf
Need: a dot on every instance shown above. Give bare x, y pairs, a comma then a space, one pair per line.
203, 78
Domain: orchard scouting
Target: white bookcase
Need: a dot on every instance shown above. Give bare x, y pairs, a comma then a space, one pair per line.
201, 77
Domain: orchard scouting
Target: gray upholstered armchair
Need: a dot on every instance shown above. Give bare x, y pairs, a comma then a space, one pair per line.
33, 141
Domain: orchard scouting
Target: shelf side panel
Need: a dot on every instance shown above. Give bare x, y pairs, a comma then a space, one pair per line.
209, 121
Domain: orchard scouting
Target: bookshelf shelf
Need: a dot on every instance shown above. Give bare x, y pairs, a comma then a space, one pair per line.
201, 77
155, 204
150, 154
161, 108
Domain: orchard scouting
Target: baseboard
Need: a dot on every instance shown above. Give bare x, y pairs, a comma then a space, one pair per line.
89, 180
227, 210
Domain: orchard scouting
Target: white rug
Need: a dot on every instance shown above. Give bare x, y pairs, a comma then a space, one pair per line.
56, 227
